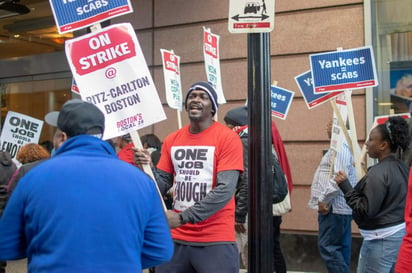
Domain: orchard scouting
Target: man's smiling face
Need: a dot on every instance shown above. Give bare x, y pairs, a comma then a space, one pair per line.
199, 106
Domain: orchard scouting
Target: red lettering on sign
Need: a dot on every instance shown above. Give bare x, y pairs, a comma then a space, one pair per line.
210, 44
101, 50
171, 62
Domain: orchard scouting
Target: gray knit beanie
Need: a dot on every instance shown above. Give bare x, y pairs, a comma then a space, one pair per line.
237, 116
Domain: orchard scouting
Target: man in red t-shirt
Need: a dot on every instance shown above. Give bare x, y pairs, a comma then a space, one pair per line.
202, 161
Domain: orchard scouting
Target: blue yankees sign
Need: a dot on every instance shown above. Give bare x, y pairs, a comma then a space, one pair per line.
305, 84
280, 101
344, 69
71, 15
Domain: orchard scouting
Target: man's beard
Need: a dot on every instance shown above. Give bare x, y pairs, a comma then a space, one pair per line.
195, 118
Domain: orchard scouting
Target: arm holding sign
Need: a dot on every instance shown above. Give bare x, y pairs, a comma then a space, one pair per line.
215, 200
164, 179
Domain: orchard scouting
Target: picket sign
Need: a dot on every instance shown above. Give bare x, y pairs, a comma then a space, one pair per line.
136, 140
172, 79
146, 168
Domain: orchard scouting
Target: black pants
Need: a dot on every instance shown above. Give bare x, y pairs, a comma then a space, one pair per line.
3, 267
279, 260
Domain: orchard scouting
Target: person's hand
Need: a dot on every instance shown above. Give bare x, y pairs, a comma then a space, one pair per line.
340, 177
240, 227
142, 157
323, 208
173, 218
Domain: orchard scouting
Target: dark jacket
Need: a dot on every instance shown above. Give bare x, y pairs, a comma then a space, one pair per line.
241, 195
378, 199
22, 171
7, 168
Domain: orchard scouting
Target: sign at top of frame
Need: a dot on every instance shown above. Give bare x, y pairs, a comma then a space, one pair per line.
71, 15
246, 16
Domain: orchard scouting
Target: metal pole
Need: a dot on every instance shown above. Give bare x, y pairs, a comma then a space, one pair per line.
260, 219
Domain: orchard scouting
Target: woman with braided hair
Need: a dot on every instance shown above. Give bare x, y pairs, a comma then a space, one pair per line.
378, 199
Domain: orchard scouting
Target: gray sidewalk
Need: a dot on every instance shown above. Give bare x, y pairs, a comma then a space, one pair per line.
20, 267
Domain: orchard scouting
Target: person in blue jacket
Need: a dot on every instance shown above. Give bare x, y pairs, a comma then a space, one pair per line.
84, 210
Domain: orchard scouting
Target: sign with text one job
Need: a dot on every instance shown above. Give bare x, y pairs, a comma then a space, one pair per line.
343, 69
111, 72
72, 15
18, 130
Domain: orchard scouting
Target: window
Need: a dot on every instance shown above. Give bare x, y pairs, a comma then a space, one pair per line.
35, 99
392, 41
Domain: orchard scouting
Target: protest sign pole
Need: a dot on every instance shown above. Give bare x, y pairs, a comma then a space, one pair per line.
342, 124
348, 138
354, 137
95, 27
332, 164
146, 168
179, 118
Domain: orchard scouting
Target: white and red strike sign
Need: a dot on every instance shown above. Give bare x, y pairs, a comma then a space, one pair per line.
212, 62
384, 118
173, 84
19, 130
111, 72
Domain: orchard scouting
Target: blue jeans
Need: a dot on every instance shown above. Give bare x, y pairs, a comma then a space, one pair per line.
380, 255
334, 241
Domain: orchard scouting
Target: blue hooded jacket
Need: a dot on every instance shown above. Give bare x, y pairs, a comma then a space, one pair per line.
84, 210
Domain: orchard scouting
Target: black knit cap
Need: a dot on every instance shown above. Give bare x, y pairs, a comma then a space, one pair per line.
77, 117
209, 89
237, 116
